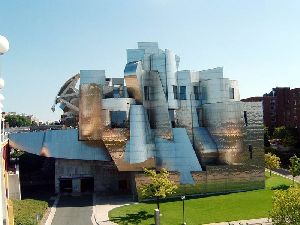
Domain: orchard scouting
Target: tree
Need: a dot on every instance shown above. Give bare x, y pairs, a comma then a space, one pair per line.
286, 207
272, 162
294, 168
287, 136
160, 185
17, 120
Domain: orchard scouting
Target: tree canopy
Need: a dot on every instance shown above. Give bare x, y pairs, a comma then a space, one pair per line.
160, 185
17, 120
287, 136
294, 167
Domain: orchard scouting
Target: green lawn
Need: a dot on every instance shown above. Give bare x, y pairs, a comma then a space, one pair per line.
25, 211
236, 206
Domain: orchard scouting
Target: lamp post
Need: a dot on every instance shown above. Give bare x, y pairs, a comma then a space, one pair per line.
183, 219
4, 46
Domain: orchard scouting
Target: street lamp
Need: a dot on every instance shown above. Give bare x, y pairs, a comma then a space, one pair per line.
4, 46
183, 219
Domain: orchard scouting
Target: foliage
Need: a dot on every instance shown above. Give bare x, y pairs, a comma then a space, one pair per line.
286, 207
294, 168
25, 211
272, 162
287, 136
266, 137
17, 120
160, 185
202, 210
16, 154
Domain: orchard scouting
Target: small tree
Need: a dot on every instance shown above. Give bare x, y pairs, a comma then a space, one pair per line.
160, 186
294, 167
286, 207
272, 162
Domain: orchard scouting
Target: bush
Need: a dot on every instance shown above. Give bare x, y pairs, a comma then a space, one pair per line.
25, 211
286, 207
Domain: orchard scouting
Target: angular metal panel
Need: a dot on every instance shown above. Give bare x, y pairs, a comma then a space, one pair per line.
90, 122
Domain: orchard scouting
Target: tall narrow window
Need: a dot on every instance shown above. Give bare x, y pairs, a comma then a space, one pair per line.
182, 92
147, 93
204, 93
175, 91
250, 148
245, 118
196, 92
231, 93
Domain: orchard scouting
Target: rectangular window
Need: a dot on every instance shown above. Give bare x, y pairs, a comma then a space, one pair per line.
231, 93
182, 92
147, 93
196, 92
175, 91
246, 118
204, 93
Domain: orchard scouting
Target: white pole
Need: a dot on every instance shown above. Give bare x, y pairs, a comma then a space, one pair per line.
4, 46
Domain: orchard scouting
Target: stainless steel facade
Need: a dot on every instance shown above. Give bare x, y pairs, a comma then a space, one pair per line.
190, 122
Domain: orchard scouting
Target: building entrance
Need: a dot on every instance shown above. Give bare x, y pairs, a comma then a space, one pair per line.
65, 185
87, 184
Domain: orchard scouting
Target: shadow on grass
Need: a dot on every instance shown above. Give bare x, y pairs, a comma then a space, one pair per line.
132, 218
280, 187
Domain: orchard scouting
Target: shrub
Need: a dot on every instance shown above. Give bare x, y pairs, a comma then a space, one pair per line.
286, 207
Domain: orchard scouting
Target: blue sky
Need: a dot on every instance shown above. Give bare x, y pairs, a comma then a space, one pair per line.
257, 42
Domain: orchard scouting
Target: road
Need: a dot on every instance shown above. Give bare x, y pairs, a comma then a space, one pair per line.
74, 210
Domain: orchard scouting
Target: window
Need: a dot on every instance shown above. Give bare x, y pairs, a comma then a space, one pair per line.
245, 118
175, 91
196, 92
182, 92
116, 92
250, 148
204, 93
231, 93
147, 93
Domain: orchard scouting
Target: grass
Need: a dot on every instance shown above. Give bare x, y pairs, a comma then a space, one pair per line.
229, 207
25, 211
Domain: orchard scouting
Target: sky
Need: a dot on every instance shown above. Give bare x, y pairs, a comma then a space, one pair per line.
257, 42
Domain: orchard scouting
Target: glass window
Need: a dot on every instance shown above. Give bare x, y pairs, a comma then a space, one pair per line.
147, 93
175, 91
196, 92
231, 93
204, 93
182, 92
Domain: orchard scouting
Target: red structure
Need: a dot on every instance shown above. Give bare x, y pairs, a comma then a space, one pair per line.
281, 107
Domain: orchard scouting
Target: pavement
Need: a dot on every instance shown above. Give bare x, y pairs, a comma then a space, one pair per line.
103, 204
74, 210
261, 221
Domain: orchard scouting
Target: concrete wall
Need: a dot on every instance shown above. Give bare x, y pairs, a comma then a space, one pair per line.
14, 191
105, 174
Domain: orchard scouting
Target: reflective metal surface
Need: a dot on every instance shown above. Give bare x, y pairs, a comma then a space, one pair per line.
190, 122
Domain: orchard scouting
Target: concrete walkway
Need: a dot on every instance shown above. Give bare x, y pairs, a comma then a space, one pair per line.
262, 221
74, 210
103, 204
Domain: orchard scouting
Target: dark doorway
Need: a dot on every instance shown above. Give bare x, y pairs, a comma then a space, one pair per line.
123, 185
87, 184
65, 185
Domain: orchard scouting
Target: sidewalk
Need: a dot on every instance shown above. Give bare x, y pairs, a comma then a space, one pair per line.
261, 221
103, 204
